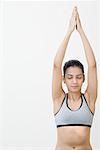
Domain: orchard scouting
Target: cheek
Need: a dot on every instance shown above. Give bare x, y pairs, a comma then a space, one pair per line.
81, 82
68, 82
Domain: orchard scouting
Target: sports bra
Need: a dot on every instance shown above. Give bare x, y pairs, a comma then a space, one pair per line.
65, 116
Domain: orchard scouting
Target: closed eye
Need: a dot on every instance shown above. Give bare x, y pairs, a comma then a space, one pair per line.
79, 77
69, 77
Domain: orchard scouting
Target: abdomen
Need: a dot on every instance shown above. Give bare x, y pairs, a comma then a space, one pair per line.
73, 136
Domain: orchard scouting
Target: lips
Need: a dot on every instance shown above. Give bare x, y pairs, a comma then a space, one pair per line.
74, 86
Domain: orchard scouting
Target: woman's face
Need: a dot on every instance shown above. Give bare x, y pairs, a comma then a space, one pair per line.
74, 79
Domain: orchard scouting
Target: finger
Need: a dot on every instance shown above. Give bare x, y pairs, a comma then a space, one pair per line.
78, 19
78, 15
74, 15
74, 10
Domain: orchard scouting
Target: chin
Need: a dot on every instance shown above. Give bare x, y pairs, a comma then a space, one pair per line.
74, 90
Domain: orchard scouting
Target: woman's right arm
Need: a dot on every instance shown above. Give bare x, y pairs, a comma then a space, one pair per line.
57, 90
61, 51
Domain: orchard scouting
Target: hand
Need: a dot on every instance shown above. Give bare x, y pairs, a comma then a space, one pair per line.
72, 23
78, 23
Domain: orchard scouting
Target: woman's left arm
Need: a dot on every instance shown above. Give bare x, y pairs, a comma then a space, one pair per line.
92, 67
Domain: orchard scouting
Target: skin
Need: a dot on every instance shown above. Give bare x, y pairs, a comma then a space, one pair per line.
74, 77
74, 137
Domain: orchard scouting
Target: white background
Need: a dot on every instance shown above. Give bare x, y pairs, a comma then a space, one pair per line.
30, 34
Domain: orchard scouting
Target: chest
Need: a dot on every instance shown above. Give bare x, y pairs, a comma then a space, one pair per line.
74, 106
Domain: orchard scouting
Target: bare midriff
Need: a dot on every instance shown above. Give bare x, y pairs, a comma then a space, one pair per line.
73, 138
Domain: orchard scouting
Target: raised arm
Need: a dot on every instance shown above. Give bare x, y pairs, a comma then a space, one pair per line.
57, 90
92, 69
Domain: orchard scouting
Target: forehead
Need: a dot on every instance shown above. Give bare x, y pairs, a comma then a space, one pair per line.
74, 70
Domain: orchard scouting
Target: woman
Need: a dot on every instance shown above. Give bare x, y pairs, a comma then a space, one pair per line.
74, 111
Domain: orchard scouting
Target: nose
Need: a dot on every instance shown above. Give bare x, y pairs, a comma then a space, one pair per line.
74, 80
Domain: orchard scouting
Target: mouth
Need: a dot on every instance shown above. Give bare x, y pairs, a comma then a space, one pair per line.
74, 86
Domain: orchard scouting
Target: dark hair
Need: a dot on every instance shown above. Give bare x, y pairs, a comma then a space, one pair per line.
72, 63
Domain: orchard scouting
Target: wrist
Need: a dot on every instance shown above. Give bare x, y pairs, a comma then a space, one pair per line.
80, 31
69, 32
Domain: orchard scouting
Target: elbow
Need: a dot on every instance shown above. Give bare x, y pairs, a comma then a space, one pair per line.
93, 65
57, 64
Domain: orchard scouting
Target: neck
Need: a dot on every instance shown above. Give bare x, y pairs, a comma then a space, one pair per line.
74, 96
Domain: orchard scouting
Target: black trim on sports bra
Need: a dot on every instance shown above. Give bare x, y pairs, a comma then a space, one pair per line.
60, 106
69, 107
74, 125
80, 105
88, 105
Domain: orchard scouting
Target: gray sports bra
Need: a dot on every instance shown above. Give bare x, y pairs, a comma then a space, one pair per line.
83, 116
